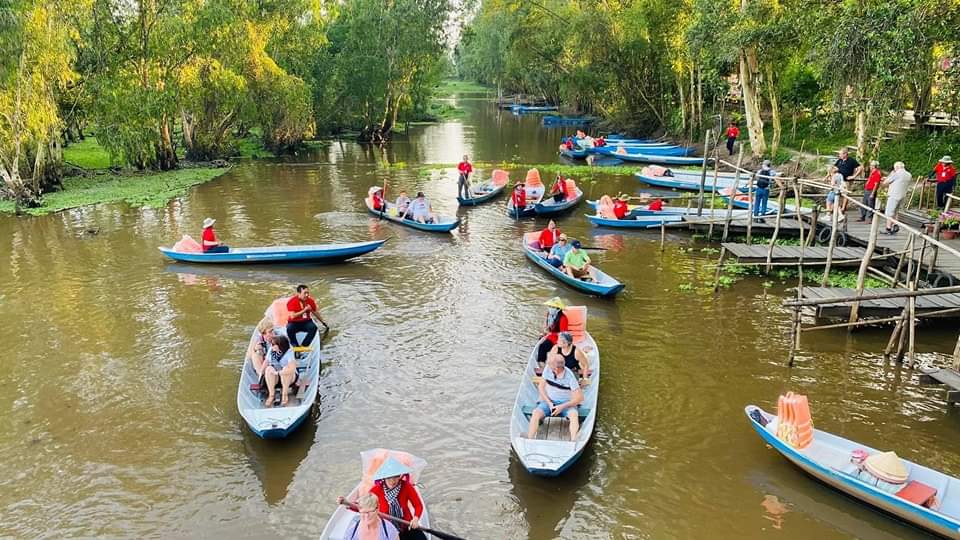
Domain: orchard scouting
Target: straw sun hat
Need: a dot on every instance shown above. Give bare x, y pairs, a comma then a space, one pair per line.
208, 222
390, 468
555, 302
888, 467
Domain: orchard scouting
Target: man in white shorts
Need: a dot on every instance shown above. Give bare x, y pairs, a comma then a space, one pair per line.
897, 185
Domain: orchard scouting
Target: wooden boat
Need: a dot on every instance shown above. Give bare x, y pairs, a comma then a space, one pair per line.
554, 120
337, 525
440, 224
828, 459
548, 207
521, 109
574, 153
486, 191
645, 157
642, 221
319, 253
742, 200
552, 452
602, 285
534, 188
684, 183
615, 141
279, 421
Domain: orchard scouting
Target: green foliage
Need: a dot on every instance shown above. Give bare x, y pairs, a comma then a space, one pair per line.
87, 154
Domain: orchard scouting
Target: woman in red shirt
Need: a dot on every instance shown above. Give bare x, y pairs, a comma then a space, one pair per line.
210, 242
556, 323
656, 205
397, 495
378, 203
519, 197
870, 190
549, 236
620, 208
732, 133
559, 189
946, 176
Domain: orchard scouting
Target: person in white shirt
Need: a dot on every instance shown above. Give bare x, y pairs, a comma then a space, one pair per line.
897, 185
403, 203
560, 395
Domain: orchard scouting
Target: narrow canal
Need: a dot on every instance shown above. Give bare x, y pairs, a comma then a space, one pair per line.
120, 414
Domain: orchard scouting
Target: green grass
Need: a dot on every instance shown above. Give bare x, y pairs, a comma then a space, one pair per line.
252, 147
147, 190
814, 137
87, 154
448, 87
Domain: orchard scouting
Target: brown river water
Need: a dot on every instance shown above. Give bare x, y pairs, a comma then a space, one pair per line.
119, 412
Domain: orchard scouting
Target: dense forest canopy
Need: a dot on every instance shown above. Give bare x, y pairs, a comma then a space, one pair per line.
160, 80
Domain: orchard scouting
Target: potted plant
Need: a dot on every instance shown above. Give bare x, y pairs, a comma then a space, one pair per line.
949, 225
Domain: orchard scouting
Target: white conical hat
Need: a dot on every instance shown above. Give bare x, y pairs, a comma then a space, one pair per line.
887, 466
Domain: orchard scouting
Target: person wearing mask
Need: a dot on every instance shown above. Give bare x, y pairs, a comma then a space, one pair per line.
463, 182
732, 133
945, 175
897, 185
870, 190
211, 244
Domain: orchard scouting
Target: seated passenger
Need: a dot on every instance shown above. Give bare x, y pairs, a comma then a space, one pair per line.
368, 523
559, 189
656, 205
209, 240
620, 207
576, 262
558, 251
282, 366
549, 236
403, 204
378, 203
519, 196
556, 322
421, 209
600, 141
573, 358
568, 144
560, 395
260, 346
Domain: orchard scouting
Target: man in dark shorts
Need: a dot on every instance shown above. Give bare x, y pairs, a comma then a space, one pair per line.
850, 168
302, 308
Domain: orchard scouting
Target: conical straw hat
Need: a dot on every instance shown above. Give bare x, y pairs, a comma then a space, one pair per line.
888, 467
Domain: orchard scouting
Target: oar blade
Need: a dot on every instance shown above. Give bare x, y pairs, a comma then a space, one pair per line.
441, 535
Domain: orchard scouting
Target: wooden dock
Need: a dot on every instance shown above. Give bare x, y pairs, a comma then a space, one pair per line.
788, 226
926, 306
757, 254
946, 376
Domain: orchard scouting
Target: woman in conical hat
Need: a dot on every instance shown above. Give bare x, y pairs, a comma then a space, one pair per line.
398, 497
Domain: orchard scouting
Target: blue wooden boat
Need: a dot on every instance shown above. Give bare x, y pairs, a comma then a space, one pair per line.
686, 183
639, 157
554, 120
441, 224
575, 153
602, 284
534, 196
552, 452
642, 210
828, 459
642, 221
279, 421
319, 253
618, 137
548, 207
742, 200
486, 191
522, 109
587, 143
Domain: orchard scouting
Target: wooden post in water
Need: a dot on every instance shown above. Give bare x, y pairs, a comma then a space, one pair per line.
713, 195
663, 234
956, 355
716, 277
833, 239
906, 308
750, 206
795, 331
907, 253
781, 202
864, 264
814, 222
733, 192
798, 198
703, 173
912, 303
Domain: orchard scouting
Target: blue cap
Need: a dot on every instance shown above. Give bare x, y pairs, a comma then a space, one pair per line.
576, 244
391, 467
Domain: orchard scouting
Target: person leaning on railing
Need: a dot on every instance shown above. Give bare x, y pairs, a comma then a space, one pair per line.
870, 190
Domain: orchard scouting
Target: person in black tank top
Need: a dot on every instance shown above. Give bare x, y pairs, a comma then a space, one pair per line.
573, 358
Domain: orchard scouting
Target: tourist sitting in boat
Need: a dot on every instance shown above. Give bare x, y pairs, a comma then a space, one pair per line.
378, 203
599, 141
282, 366
519, 196
573, 358
421, 209
576, 263
655, 205
403, 203
260, 346
560, 395
548, 237
559, 251
397, 495
620, 207
568, 143
556, 322
303, 309
368, 524
559, 189
210, 242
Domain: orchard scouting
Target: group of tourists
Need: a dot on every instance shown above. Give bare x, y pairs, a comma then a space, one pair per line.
418, 209
392, 495
563, 253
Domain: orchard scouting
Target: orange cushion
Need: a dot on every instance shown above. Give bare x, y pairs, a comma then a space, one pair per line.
918, 493
500, 177
576, 321
533, 178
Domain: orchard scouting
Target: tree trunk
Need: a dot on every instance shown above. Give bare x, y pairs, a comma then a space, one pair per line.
751, 102
186, 122
166, 156
774, 111
683, 105
861, 132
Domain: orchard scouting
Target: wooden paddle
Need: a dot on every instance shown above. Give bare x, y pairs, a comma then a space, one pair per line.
434, 532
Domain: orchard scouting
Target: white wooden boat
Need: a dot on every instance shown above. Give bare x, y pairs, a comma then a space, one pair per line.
828, 459
552, 451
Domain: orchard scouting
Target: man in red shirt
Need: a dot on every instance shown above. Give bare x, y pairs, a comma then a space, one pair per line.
620, 208
549, 236
732, 133
209, 240
463, 184
870, 190
945, 175
656, 205
559, 189
519, 197
302, 310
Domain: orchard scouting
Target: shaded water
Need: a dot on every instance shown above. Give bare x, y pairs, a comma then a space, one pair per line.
120, 417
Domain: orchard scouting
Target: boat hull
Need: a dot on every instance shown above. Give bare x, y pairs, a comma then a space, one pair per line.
446, 224
549, 208
474, 201
651, 158
576, 153
907, 511
320, 253
637, 222
605, 286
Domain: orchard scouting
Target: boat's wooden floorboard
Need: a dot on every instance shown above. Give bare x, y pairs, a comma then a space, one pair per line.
554, 429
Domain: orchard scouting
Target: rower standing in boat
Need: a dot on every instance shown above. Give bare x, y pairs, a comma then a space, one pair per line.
463, 183
519, 197
378, 203
211, 244
560, 395
303, 309
556, 323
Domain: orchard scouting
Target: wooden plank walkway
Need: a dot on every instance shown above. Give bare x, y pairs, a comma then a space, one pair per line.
947, 376
879, 308
788, 226
757, 253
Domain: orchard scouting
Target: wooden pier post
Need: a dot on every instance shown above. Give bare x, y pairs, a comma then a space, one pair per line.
713, 194
798, 199
835, 218
795, 331
716, 277
750, 206
814, 221
663, 234
935, 249
864, 264
703, 173
956, 355
912, 303
733, 193
781, 202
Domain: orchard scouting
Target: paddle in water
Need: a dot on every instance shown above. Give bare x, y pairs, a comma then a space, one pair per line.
439, 534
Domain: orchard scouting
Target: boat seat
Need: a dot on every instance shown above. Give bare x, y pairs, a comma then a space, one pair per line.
918, 493
583, 382
528, 411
